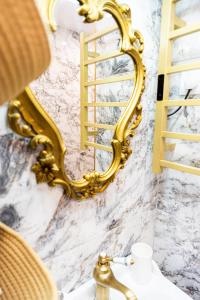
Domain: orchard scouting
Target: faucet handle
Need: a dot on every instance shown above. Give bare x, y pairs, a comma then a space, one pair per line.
127, 261
104, 259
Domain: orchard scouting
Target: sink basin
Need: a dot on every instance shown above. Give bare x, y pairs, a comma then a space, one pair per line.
159, 288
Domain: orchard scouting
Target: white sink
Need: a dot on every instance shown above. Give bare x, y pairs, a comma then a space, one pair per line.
159, 288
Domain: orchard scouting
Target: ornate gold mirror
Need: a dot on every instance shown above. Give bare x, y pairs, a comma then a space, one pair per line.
88, 100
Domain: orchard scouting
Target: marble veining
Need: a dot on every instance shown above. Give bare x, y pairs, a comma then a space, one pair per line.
13, 160
177, 237
68, 235
64, 94
138, 206
177, 241
59, 86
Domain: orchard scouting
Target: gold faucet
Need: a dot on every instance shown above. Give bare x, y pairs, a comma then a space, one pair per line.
105, 280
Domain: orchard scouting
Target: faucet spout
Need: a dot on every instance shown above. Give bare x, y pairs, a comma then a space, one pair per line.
105, 280
115, 284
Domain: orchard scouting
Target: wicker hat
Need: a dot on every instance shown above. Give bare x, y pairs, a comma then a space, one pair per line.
24, 49
22, 274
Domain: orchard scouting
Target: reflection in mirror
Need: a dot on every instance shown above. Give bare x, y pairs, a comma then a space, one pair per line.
86, 88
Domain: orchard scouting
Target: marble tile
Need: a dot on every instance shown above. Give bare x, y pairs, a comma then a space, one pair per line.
177, 238
68, 235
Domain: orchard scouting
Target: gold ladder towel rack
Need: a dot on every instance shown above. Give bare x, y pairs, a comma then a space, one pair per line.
87, 58
172, 28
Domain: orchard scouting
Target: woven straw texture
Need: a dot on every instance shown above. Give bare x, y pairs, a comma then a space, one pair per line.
24, 49
22, 274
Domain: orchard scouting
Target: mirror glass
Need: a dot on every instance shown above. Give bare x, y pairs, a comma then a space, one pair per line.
86, 88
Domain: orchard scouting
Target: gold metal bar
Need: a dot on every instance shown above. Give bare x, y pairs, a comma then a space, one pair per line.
111, 79
188, 102
50, 14
170, 147
102, 293
180, 167
99, 146
181, 136
83, 91
168, 20
184, 31
92, 54
95, 99
106, 104
104, 126
181, 68
92, 133
97, 35
104, 57
179, 23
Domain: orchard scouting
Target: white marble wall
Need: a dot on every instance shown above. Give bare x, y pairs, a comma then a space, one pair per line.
177, 235
68, 235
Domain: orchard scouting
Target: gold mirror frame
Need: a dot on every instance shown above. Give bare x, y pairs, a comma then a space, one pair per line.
28, 118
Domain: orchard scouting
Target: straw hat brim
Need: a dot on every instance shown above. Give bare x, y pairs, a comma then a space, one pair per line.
24, 47
23, 276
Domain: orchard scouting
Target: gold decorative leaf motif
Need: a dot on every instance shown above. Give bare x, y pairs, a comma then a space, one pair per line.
45, 168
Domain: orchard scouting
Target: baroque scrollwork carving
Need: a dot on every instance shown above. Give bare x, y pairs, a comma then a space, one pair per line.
45, 168
27, 117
